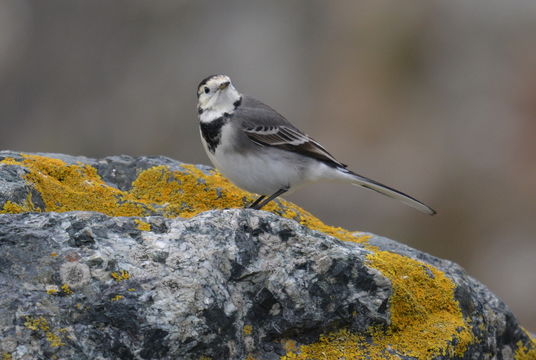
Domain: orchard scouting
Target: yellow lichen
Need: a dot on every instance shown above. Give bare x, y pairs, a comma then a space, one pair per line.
142, 225
9, 161
41, 324
66, 290
55, 290
247, 329
131, 289
117, 297
52, 290
524, 352
53, 339
426, 320
425, 316
337, 345
120, 275
7, 356
157, 190
14, 208
66, 187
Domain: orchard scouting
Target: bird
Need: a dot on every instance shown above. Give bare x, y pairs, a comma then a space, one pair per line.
261, 152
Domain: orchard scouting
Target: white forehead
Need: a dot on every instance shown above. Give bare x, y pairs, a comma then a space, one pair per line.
217, 80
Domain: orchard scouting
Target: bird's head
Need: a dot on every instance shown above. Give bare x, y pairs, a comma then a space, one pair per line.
217, 94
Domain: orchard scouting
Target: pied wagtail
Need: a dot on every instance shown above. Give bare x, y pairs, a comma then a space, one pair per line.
260, 151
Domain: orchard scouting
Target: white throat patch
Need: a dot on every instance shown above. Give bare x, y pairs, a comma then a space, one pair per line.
222, 102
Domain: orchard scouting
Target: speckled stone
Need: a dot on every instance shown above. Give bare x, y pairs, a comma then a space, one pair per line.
225, 284
192, 286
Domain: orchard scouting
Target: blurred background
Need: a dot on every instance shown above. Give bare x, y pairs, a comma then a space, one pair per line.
436, 98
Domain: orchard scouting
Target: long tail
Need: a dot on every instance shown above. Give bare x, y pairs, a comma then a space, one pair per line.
388, 191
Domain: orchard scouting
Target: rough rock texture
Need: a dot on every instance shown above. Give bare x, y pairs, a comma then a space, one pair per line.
168, 281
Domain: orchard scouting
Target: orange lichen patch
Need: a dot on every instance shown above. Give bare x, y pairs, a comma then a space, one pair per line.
425, 316
9, 161
192, 191
426, 320
186, 193
157, 190
66, 187
142, 225
14, 208
341, 344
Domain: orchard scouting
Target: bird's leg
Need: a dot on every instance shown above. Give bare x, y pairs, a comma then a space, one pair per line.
256, 202
266, 201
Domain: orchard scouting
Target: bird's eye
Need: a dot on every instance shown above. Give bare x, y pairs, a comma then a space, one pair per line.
207, 90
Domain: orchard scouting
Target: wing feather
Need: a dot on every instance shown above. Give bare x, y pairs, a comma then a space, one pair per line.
285, 138
266, 127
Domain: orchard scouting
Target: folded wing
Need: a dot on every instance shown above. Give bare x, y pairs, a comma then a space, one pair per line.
290, 139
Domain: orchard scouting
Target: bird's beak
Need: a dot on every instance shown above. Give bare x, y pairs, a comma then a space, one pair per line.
224, 85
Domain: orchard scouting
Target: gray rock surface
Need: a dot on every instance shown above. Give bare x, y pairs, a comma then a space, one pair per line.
226, 284
193, 285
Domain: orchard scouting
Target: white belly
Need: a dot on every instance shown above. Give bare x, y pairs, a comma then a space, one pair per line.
261, 174
265, 170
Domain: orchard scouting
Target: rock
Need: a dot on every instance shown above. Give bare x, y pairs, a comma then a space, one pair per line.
120, 259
